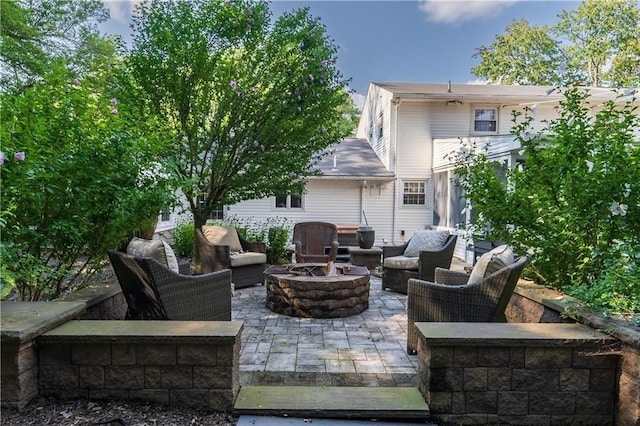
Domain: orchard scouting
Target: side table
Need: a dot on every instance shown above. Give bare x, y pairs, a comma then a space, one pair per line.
371, 258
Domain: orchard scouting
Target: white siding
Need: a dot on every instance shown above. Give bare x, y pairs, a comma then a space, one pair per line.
330, 201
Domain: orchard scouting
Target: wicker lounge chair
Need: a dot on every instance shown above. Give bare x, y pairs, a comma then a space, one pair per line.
246, 259
155, 292
313, 239
453, 300
428, 260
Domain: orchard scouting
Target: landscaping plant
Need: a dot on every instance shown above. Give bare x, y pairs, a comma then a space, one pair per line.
574, 206
77, 179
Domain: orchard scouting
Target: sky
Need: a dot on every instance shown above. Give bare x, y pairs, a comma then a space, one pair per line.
427, 41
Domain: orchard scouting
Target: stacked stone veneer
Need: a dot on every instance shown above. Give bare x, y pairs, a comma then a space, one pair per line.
190, 363
535, 374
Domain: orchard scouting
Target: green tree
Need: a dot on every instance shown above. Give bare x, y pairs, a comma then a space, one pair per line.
596, 44
602, 41
250, 103
36, 32
76, 180
575, 204
525, 54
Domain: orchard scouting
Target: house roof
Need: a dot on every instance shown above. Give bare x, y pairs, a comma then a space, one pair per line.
353, 159
480, 91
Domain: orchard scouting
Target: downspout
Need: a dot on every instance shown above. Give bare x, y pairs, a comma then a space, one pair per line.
362, 201
396, 189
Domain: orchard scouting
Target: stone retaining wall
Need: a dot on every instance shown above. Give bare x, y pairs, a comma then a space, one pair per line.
178, 363
532, 303
526, 374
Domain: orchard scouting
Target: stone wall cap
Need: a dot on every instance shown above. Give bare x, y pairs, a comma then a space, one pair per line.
145, 331
510, 334
21, 321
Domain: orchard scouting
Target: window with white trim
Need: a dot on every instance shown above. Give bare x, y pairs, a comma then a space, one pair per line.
293, 201
485, 120
413, 193
217, 213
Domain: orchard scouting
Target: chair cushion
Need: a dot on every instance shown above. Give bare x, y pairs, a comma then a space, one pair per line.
491, 262
222, 236
401, 262
425, 240
247, 258
156, 249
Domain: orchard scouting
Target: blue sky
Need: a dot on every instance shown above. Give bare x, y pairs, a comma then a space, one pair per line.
406, 41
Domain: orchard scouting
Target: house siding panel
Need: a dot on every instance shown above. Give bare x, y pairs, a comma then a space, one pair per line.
329, 201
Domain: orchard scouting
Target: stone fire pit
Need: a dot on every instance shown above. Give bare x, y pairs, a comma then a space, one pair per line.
315, 290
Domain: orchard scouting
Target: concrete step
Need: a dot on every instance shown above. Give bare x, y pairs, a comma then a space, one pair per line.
397, 403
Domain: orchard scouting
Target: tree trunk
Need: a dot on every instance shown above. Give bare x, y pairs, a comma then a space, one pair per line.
196, 263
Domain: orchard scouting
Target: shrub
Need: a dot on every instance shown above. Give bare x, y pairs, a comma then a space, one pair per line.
76, 181
576, 195
277, 246
183, 238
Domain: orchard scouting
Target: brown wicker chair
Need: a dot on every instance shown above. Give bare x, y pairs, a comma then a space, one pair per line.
218, 257
453, 300
155, 292
396, 279
311, 240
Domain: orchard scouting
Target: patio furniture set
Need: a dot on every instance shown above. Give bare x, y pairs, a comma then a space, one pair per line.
315, 286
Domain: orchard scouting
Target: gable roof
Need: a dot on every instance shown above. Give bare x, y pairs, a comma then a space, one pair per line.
353, 159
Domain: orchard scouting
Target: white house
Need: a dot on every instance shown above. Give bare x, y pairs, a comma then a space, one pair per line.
394, 175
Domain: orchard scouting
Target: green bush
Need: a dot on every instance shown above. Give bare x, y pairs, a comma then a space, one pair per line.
183, 238
76, 180
277, 246
575, 197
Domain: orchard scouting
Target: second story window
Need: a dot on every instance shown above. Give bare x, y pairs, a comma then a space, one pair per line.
413, 193
485, 120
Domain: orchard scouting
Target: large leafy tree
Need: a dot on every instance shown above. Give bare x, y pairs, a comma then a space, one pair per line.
34, 33
602, 41
525, 54
596, 44
249, 103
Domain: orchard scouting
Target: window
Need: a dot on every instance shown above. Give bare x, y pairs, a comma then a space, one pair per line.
165, 214
293, 201
485, 120
413, 194
381, 127
216, 213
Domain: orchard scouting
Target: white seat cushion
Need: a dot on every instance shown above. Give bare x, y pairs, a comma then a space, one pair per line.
156, 249
222, 236
401, 262
425, 241
491, 262
248, 258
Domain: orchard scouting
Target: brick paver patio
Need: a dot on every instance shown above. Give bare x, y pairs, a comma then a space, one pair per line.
368, 349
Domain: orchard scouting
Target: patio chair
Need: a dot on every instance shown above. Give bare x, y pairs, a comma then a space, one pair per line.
221, 247
315, 242
416, 259
155, 292
481, 296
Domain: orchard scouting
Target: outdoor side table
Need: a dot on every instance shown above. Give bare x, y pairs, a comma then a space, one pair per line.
371, 258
